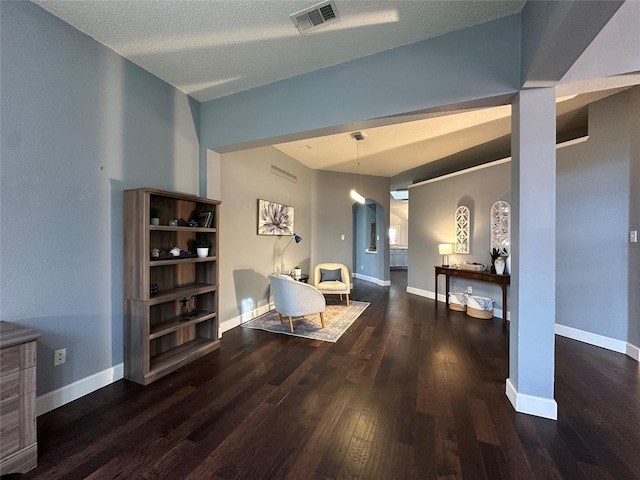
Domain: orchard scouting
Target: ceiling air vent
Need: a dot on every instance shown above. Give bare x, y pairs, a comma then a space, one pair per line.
315, 17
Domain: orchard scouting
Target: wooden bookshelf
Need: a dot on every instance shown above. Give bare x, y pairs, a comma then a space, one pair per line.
159, 338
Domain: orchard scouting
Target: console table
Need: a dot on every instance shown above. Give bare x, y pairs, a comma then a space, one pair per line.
500, 280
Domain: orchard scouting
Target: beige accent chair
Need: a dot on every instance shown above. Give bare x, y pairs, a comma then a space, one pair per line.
295, 299
333, 287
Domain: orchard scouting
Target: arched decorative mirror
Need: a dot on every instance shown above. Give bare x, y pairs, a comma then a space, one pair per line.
501, 227
463, 218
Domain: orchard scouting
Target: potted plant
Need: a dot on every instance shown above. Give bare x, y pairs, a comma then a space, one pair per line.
202, 248
297, 271
155, 216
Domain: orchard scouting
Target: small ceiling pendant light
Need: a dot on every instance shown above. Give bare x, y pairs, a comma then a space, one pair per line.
355, 194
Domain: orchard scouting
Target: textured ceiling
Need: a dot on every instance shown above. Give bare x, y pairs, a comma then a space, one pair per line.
214, 48
210, 49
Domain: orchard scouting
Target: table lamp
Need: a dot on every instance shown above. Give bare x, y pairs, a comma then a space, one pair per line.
445, 250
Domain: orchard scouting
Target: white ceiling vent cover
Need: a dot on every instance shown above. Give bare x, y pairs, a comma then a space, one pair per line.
315, 17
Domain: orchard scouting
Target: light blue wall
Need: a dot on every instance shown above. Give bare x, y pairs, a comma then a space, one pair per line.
478, 62
593, 222
595, 210
634, 218
79, 125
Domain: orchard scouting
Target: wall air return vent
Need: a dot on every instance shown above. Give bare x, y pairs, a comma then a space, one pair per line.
315, 17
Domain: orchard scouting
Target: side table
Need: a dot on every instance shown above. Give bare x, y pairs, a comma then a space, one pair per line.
304, 278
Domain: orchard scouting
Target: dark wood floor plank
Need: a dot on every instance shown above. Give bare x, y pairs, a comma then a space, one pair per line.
407, 392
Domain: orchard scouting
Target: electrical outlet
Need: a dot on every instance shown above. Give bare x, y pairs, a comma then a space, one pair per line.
469, 290
59, 357
633, 236
361, 267
341, 237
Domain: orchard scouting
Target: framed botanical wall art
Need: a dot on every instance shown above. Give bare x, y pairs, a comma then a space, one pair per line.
274, 218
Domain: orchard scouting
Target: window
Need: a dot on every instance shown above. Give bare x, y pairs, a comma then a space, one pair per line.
393, 236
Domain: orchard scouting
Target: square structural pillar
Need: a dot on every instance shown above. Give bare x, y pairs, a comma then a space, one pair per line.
530, 384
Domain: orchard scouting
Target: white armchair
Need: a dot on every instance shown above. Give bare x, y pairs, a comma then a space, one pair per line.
327, 282
294, 299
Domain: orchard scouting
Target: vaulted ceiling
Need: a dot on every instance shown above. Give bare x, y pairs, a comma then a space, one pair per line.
211, 49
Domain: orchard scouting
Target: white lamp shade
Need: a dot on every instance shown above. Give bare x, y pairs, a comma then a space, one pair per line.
445, 249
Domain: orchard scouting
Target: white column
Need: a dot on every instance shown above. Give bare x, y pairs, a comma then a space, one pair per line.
533, 194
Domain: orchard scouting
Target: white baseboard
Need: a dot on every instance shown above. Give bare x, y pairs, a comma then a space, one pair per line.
601, 341
377, 281
424, 293
230, 323
633, 352
531, 405
49, 401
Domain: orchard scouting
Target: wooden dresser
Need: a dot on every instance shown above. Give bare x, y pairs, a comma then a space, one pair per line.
18, 430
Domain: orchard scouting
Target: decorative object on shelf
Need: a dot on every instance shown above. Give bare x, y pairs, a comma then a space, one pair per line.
498, 263
356, 194
445, 249
188, 307
202, 248
155, 217
153, 288
173, 222
297, 271
462, 219
205, 219
501, 227
155, 252
495, 254
474, 267
275, 218
192, 223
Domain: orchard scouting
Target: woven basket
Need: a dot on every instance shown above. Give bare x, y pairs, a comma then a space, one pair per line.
457, 307
483, 314
457, 301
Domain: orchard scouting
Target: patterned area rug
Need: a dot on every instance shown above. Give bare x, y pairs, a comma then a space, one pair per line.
337, 319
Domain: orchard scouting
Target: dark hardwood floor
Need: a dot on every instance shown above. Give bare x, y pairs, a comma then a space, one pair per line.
407, 392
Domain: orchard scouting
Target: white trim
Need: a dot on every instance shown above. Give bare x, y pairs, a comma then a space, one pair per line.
619, 346
424, 293
575, 141
52, 400
568, 143
633, 352
531, 405
377, 281
462, 172
230, 323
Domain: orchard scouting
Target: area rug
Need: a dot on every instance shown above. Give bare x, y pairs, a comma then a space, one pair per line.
337, 319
